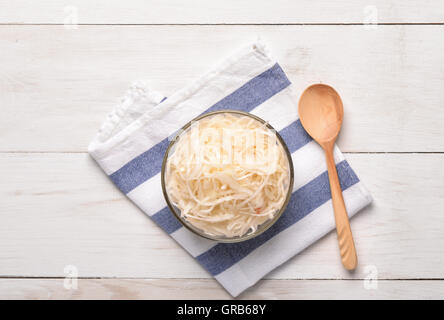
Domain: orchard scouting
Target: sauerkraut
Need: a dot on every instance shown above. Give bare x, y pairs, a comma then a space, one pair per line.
227, 174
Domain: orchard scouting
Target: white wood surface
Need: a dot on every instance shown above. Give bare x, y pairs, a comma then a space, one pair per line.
60, 209
65, 81
209, 289
217, 12
57, 84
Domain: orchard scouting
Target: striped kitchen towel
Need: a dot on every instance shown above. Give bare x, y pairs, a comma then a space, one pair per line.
131, 143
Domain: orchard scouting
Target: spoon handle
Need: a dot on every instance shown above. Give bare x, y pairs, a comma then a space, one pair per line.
345, 237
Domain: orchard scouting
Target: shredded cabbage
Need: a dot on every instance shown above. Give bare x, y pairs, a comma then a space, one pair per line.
227, 174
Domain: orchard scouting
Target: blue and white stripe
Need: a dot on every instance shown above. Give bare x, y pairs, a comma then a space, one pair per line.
252, 82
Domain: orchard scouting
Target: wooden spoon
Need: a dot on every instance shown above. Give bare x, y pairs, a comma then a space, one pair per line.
321, 113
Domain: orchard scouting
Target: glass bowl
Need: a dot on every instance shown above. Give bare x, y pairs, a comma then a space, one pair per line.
176, 211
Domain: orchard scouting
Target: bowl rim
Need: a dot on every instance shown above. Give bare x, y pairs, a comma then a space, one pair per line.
269, 222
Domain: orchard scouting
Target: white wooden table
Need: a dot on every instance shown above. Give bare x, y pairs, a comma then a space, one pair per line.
58, 81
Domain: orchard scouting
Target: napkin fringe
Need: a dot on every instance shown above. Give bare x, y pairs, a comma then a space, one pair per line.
138, 100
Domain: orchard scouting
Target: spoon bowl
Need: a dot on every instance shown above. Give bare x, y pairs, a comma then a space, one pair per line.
321, 113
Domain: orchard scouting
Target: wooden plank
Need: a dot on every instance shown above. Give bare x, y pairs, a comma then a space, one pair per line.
57, 85
227, 11
60, 209
209, 289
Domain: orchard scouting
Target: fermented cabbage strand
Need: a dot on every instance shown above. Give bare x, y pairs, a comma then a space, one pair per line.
214, 184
